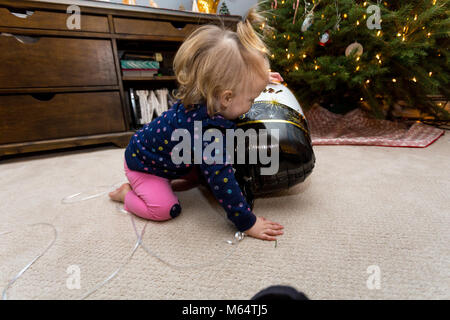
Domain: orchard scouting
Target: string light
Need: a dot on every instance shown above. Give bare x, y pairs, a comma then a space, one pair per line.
304, 56
345, 16
316, 67
414, 79
368, 81
357, 68
394, 80
357, 22
430, 74
296, 67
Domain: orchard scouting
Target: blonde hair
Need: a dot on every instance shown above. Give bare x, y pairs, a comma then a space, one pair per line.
213, 59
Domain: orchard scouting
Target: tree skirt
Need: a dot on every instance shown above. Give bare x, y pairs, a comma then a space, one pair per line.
358, 128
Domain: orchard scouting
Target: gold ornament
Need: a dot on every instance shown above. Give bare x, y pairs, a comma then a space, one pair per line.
207, 6
354, 46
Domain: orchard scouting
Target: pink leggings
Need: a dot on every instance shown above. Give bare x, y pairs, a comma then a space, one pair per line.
151, 196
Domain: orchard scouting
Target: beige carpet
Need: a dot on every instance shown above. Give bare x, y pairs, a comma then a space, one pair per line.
362, 206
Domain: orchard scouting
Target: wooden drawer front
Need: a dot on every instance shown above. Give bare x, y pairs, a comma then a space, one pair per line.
25, 118
152, 28
56, 62
52, 20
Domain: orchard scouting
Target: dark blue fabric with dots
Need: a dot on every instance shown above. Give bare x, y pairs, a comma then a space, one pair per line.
150, 150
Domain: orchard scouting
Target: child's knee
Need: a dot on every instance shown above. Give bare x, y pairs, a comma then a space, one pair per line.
164, 212
175, 210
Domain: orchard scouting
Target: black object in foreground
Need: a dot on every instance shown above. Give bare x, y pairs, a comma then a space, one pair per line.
280, 293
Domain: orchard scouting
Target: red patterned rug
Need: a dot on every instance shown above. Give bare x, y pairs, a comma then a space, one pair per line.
358, 128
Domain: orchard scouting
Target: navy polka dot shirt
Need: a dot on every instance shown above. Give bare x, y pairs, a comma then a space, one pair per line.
150, 151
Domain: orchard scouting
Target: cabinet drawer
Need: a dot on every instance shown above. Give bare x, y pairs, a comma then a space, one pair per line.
36, 19
55, 62
153, 27
25, 118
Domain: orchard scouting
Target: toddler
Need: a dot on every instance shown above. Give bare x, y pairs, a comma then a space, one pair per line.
220, 72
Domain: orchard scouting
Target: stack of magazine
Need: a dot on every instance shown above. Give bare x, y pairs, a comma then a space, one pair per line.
148, 104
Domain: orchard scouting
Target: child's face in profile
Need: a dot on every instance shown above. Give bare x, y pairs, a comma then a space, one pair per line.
242, 102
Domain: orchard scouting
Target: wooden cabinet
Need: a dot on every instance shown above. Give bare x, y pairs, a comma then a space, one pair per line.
172, 30
39, 19
35, 117
56, 62
62, 87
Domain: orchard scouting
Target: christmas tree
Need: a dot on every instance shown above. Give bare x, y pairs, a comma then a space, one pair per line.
224, 9
361, 53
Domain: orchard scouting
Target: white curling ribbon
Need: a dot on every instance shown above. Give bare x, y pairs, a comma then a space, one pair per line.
238, 237
21, 272
81, 196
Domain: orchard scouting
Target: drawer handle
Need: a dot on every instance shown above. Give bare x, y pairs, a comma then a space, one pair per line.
24, 14
22, 39
43, 96
178, 24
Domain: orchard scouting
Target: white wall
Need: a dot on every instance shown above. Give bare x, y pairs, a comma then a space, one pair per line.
238, 7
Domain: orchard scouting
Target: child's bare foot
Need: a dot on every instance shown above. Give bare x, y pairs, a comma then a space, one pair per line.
119, 193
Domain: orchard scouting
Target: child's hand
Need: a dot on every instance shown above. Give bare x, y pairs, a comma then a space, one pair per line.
265, 229
275, 77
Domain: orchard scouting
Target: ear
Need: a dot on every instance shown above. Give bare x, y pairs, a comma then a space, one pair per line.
226, 98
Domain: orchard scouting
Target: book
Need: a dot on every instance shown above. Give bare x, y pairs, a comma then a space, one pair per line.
139, 73
139, 65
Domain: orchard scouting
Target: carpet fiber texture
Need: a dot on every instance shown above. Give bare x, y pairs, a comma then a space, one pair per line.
362, 206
